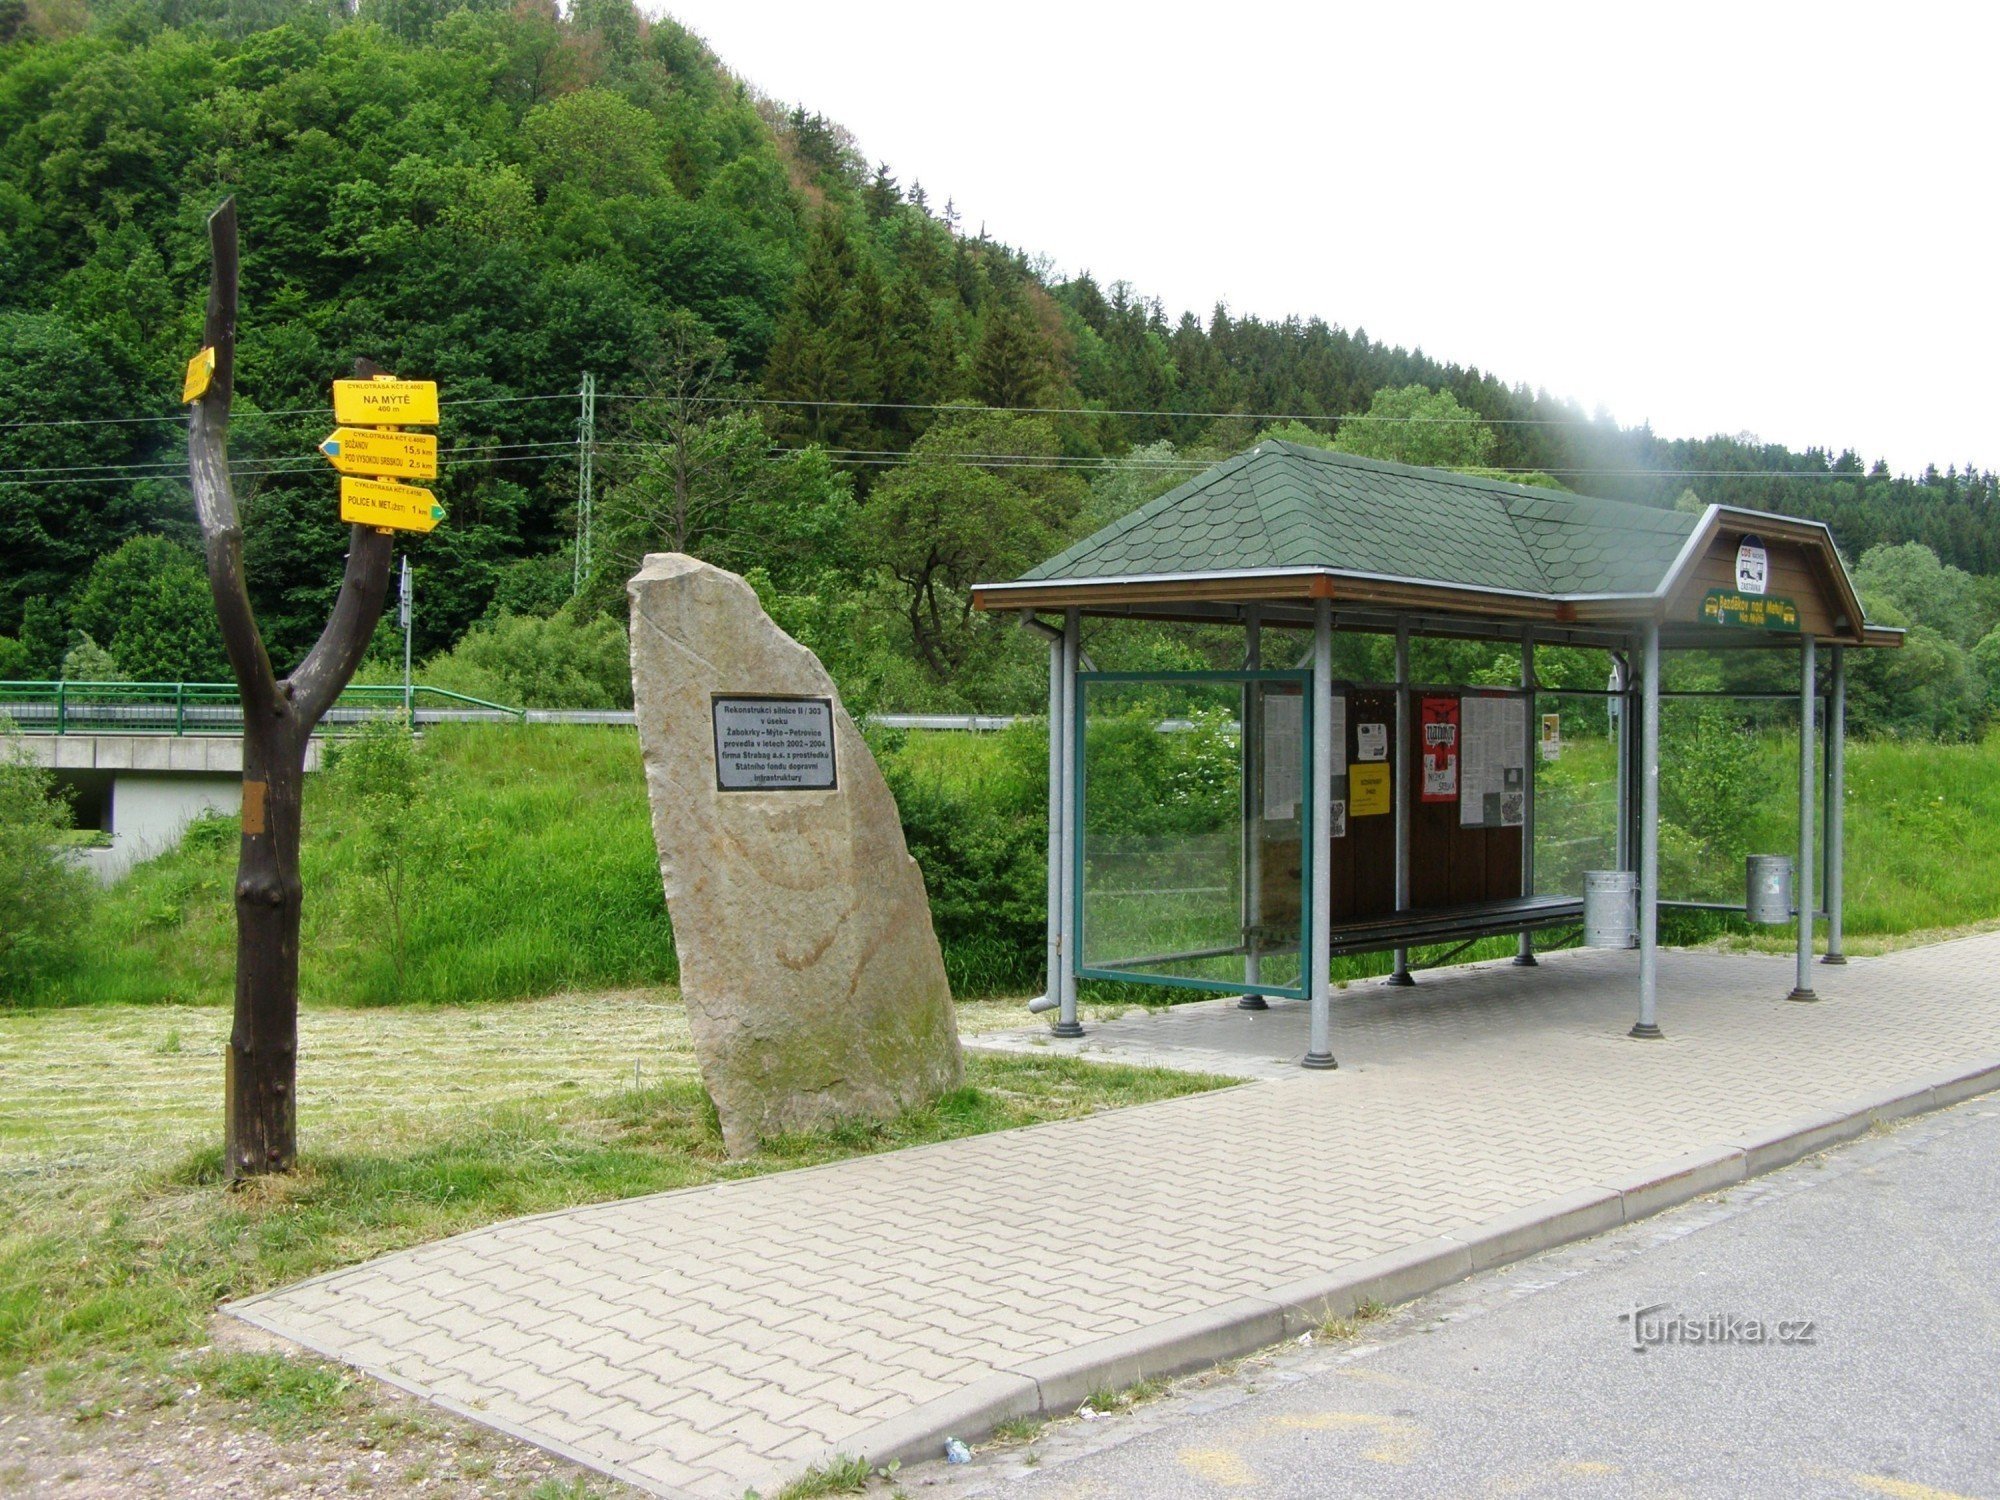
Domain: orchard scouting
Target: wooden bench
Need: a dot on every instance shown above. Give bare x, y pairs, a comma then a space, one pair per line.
1456, 924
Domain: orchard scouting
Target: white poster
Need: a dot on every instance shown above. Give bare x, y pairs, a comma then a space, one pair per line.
1493, 762
1284, 756
1284, 776
1371, 742
1753, 566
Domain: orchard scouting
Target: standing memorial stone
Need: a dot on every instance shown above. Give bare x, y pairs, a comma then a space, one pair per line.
814, 986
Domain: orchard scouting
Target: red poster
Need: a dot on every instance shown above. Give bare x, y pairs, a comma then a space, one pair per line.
1439, 725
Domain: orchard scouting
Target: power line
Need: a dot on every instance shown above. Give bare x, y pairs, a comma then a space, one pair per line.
888, 458
141, 468
878, 458
253, 413
1104, 411
291, 466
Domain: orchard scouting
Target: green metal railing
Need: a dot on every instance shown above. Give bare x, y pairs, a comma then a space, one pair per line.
181, 708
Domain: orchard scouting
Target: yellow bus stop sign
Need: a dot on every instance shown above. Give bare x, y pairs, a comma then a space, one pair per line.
380, 502
386, 403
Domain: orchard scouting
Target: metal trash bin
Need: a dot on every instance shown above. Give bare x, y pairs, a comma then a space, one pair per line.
1767, 889
1610, 909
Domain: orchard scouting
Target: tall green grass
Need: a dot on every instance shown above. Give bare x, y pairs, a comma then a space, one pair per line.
548, 881
553, 882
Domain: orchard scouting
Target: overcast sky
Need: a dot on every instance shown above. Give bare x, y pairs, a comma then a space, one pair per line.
1750, 217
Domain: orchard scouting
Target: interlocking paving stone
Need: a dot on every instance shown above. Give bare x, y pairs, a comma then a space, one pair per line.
701, 1341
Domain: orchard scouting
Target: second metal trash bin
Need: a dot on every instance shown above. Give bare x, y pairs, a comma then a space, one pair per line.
1610, 909
1767, 889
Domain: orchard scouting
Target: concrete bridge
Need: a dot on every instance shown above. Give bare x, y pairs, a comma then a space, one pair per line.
142, 760
142, 790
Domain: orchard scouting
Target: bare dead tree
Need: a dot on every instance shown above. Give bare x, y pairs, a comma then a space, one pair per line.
681, 469
260, 1132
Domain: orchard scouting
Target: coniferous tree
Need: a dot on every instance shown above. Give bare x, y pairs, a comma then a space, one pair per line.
823, 359
1013, 365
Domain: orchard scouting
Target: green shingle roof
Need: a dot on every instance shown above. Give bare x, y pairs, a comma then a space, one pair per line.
1281, 505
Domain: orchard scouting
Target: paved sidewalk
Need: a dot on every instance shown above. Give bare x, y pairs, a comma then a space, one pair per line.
705, 1341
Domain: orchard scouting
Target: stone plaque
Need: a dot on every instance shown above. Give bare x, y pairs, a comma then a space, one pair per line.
814, 987
765, 743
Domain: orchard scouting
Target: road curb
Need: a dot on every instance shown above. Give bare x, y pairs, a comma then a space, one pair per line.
1055, 1385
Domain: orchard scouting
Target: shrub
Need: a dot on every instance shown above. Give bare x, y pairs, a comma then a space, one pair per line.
1146, 782
1931, 689
87, 661
982, 843
389, 790
43, 897
149, 603
565, 660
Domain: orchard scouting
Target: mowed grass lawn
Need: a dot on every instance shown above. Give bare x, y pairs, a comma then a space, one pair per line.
117, 1238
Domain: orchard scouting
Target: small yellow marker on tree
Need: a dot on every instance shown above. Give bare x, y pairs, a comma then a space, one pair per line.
200, 371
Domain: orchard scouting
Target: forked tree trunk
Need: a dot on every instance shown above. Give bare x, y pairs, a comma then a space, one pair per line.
260, 1107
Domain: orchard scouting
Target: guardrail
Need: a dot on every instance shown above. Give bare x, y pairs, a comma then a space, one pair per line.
182, 708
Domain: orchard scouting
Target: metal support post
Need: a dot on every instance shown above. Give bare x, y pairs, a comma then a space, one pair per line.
1319, 1052
1251, 738
1400, 782
1647, 1027
586, 454
405, 615
1621, 723
1836, 803
1525, 957
1057, 801
1067, 1024
1802, 878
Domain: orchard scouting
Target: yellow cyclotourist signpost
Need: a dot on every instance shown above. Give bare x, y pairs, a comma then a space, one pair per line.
382, 502
375, 453
382, 454
386, 402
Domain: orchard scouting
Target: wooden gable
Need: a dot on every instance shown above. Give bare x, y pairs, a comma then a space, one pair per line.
1804, 590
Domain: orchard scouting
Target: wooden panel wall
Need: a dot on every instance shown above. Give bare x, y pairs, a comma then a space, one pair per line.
1450, 864
1794, 573
1365, 871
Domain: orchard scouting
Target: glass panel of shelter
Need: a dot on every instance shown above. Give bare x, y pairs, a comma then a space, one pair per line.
1193, 807
1194, 819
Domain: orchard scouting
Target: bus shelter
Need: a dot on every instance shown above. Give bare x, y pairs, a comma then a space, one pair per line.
1384, 816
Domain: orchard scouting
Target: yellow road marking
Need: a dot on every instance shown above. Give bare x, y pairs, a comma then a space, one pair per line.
1904, 1489
1542, 1475
1400, 1438
1223, 1466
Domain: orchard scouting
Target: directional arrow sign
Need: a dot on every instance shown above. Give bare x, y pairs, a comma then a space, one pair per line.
365, 450
400, 507
386, 403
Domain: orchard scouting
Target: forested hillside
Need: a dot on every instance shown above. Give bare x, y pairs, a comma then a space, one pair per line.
805, 369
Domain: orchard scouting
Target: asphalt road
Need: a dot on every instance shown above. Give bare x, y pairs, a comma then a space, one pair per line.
1873, 1274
